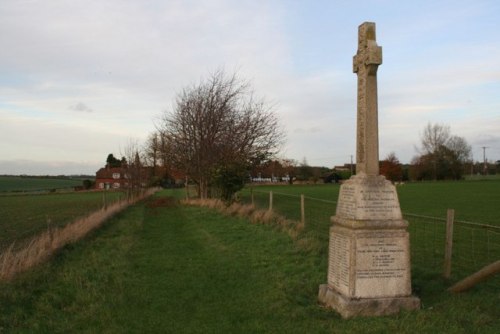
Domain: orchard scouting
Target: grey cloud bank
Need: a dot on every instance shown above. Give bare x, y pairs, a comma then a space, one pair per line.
77, 79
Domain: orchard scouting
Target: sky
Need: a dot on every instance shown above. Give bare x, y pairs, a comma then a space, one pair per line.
81, 79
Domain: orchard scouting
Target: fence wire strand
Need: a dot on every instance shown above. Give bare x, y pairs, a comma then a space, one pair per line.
475, 245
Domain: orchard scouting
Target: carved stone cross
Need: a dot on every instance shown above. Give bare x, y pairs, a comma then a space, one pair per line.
369, 252
365, 64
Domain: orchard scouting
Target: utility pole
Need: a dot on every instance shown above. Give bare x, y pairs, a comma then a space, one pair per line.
485, 168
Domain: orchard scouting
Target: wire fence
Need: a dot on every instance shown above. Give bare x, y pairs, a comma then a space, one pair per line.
24, 216
474, 245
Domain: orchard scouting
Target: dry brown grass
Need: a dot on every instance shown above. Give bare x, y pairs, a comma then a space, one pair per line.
256, 216
44, 245
293, 228
310, 245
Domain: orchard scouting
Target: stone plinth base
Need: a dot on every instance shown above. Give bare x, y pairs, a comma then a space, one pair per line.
369, 252
349, 308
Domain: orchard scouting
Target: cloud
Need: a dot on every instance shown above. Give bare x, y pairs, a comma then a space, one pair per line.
128, 59
81, 107
54, 167
45, 140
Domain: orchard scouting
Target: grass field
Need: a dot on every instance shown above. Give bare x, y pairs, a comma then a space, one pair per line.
31, 184
25, 215
474, 246
161, 267
482, 177
476, 201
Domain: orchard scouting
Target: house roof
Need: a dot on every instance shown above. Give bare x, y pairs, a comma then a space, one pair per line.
107, 173
177, 174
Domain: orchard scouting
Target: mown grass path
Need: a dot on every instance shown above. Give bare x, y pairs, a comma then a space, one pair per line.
159, 267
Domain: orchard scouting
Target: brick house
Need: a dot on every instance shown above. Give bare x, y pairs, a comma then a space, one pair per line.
111, 178
121, 177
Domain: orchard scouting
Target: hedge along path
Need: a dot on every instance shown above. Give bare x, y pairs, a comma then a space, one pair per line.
44, 245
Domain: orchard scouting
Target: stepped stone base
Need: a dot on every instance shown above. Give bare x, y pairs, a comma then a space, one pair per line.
369, 252
350, 307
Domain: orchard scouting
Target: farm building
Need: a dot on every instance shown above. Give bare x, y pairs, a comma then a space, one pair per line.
111, 177
124, 177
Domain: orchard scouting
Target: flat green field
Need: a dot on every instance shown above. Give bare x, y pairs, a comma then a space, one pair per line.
25, 215
162, 267
475, 201
29, 184
424, 206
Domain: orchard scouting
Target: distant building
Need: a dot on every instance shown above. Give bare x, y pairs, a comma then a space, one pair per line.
345, 168
130, 177
111, 178
176, 177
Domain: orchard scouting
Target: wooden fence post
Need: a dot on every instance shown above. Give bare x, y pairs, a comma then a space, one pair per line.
302, 210
270, 201
477, 277
450, 215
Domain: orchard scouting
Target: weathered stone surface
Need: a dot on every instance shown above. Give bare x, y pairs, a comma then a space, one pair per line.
368, 263
368, 197
349, 307
369, 252
365, 65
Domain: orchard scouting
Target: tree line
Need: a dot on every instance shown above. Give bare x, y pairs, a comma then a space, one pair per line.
218, 133
440, 156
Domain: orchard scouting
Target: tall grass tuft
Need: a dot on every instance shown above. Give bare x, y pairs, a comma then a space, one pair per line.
295, 229
44, 245
256, 216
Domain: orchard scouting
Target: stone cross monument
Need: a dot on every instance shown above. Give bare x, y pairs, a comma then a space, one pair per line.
365, 64
369, 252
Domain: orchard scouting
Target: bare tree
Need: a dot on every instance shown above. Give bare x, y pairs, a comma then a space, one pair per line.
442, 155
152, 150
165, 149
134, 168
218, 129
461, 148
290, 167
434, 137
305, 172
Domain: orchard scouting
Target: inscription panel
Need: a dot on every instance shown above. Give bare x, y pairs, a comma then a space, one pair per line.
339, 262
378, 203
346, 206
365, 201
382, 264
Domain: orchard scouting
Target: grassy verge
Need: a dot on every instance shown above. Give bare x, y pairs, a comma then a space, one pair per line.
161, 267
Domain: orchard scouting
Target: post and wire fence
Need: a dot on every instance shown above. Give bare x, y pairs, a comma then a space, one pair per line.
440, 246
50, 211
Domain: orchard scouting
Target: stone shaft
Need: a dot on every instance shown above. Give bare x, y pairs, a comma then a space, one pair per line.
365, 65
